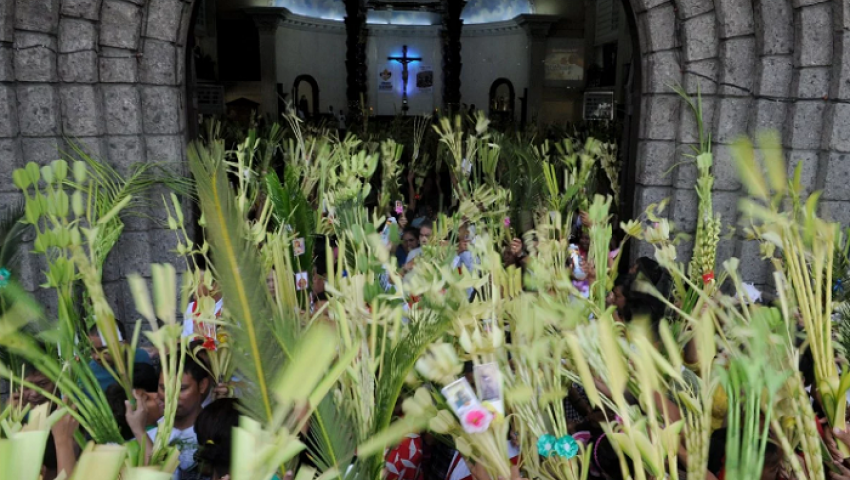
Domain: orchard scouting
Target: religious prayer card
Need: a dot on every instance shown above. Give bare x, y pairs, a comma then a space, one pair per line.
460, 397
474, 418
298, 247
488, 383
399, 207
301, 281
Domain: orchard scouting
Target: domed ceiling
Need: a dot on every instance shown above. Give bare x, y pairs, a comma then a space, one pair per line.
476, 11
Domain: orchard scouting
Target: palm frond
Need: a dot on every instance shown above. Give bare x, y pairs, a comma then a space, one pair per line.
395, 367
238, 268
331, 441
291, 208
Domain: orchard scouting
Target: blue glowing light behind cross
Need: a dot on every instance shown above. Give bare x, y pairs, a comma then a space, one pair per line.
404, 60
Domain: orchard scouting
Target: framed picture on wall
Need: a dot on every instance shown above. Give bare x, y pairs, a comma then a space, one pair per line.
598, 106
564, 64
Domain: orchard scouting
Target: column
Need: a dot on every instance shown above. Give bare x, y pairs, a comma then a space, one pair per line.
355, 60
452, 65
267, 21
537, 27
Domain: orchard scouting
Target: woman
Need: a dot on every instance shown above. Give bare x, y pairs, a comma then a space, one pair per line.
409, 241
214, 428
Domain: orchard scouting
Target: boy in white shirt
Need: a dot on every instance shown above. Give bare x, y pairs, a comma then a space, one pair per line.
194, 390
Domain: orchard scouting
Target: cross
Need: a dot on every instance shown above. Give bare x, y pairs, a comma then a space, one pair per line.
404, 60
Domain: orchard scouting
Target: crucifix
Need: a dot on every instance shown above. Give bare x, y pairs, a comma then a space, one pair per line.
404, 60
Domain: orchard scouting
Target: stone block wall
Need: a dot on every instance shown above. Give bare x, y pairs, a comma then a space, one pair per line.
778, 64
108, 75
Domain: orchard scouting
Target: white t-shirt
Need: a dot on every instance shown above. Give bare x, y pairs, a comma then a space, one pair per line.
187, 442
188, 317
413, 254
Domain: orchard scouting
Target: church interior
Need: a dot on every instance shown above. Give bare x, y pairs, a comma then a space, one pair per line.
541, 62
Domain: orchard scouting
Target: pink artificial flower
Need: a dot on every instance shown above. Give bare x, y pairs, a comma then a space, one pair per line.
477, 420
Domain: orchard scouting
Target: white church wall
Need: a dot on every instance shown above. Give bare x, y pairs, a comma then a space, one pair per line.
316, 47
387, 41
308, 46
490, 52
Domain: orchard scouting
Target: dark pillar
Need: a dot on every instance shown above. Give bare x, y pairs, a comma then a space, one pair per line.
452, 28
355, 60
267, 21
537, 27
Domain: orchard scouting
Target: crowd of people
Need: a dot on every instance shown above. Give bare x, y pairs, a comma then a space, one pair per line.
207, 412
420, 240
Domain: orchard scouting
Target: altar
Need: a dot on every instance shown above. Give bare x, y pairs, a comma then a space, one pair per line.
391, 51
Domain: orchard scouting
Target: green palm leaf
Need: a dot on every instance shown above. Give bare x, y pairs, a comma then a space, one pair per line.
395, 367
238, 268
291, 208
330, 442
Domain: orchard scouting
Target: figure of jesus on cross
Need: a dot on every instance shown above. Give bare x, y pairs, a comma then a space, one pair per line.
404, 60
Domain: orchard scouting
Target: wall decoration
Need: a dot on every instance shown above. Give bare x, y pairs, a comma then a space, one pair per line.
385, 84
425, 78
599, 106
564, 64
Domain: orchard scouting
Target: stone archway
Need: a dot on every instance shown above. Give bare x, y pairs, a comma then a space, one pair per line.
780, 64
108, 74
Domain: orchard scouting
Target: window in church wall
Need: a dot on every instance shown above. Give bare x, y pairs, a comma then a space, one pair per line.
607, 21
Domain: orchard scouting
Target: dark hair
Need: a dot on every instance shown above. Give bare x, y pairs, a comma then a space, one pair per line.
605, 458
320, 261
145, 377
650, 268
192, 367
411, 230
427, 223
119, 325
115, 397
214, 429
639, 303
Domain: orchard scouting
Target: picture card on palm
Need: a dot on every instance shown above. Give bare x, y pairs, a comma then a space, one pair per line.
488, 384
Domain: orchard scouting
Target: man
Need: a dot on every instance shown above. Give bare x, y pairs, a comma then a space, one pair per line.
146, 386
100, 356
194, 390
33, 396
